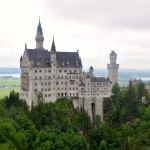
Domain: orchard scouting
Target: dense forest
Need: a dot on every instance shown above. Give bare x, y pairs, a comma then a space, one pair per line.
59, 126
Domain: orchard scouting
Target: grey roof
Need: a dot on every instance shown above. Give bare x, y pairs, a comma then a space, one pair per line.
39, 28
113, 53
64, 59
53, 47
91, 67
100, 79
68, 59
39, 56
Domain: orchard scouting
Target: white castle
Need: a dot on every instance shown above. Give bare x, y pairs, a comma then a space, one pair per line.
59, 74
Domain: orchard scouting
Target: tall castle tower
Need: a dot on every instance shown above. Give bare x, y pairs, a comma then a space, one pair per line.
113, 68
39, 37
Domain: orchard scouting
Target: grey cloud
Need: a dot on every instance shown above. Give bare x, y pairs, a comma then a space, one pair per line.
103, 13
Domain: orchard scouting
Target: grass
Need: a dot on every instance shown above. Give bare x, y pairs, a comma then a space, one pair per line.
10, 82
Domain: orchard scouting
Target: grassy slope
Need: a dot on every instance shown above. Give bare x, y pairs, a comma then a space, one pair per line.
11, 82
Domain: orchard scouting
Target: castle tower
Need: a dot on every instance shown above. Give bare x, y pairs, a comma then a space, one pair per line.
113, 68
53, 62
39, 37
91, 70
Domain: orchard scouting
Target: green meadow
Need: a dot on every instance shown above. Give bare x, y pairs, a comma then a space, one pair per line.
9, 85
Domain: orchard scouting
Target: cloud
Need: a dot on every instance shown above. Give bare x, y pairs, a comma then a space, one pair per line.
103, 13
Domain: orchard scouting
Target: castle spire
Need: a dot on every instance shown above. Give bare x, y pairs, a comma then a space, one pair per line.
39, 28
53, 47
39, 36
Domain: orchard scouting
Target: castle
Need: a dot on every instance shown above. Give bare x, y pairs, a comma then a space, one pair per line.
59, 74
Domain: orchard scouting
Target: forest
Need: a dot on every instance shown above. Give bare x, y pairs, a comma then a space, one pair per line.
59, 126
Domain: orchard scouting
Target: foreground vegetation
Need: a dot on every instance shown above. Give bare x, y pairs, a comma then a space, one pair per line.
59, 126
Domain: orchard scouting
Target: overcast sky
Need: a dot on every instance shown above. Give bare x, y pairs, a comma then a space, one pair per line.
94, 27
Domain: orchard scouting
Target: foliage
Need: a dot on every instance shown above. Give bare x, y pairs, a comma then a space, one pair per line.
60, 126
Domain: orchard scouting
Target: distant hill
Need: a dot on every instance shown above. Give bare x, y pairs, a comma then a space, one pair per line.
123, 73
9, 70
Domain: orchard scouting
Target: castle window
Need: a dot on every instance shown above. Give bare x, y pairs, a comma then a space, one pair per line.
49, 95
70, 94
70, 71
76, 77
65, 70
62, 77
41, 83
61, 83
72, 82
70, 88
35, 77
35, 71
45, 83
65, 83
62, 88
60, 70
77, 88
40, 77
56, 83
49, 70
48, 89
82, 89
74, 71
45, 89
48, 83
45, 95
35, 84
35, 90
49, 77
40, 70
77, 94
58, 77
65, 77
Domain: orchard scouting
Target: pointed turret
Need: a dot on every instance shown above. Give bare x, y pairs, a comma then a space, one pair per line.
39, 28
53, 47
39, 37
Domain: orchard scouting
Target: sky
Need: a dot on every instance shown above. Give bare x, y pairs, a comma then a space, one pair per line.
93, 27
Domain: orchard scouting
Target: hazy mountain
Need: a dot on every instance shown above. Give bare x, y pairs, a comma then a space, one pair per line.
123, 73
9, 70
